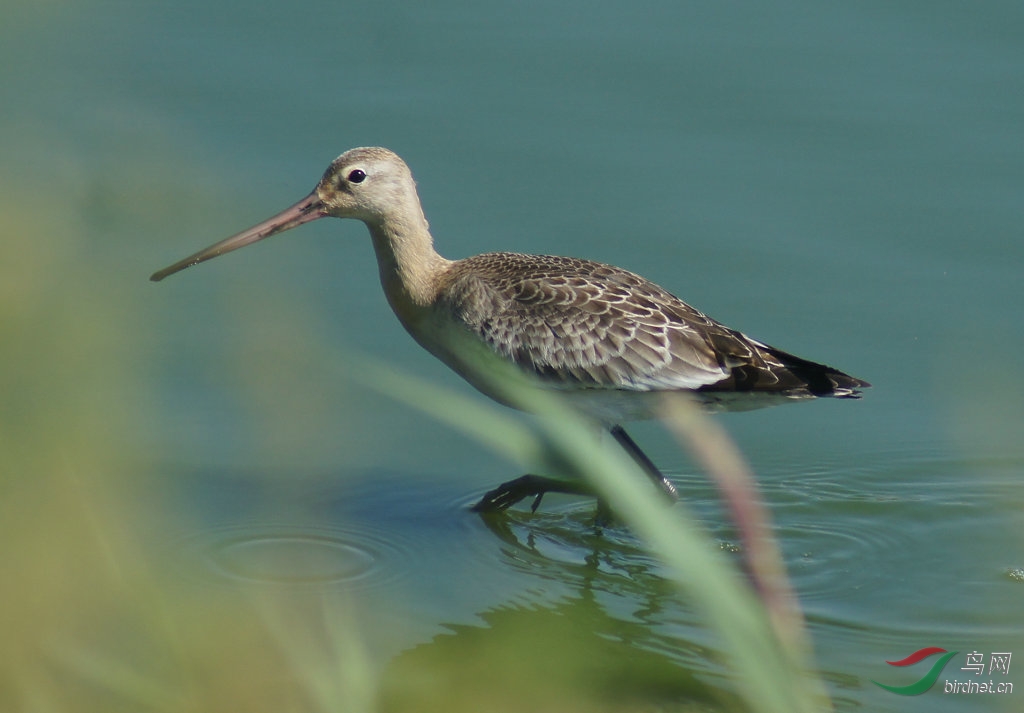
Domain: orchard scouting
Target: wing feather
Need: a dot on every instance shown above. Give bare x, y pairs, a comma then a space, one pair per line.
579, 323
576, 323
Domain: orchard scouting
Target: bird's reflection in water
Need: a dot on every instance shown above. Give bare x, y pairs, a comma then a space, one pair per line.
601, 630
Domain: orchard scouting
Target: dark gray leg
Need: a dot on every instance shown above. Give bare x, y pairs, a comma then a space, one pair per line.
644, 462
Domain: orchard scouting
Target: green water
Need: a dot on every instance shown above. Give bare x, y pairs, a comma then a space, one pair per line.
843, 182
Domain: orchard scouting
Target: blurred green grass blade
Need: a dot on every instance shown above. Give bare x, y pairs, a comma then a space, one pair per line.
326, 651
501, 430
707, 440
120, 678
772, 677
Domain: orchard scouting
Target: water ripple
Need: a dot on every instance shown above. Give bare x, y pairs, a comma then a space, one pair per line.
841, 558
294, 555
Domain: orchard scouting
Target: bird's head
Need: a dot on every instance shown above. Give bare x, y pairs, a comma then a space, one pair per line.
368, 184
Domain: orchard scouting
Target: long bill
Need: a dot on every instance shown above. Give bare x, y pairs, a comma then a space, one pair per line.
308, 209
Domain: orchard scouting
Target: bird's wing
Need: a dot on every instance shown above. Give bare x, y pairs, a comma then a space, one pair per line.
579, 323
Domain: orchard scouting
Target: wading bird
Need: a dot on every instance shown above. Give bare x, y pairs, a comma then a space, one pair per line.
608, 340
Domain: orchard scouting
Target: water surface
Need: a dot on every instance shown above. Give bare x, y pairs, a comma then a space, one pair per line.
841, 181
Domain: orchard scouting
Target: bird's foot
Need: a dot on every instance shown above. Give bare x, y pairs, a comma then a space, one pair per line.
509, 493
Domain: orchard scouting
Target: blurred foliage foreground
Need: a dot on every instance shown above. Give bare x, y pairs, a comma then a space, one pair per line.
95, 617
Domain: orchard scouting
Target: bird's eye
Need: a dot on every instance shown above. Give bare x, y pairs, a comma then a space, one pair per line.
357, 175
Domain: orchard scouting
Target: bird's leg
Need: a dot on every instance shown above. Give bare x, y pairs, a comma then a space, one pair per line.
604, 517
645, 463
509, 493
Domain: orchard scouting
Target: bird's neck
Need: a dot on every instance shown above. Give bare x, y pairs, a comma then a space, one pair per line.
410, 268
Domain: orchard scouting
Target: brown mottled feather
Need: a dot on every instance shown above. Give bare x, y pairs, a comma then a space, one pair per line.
577, 323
